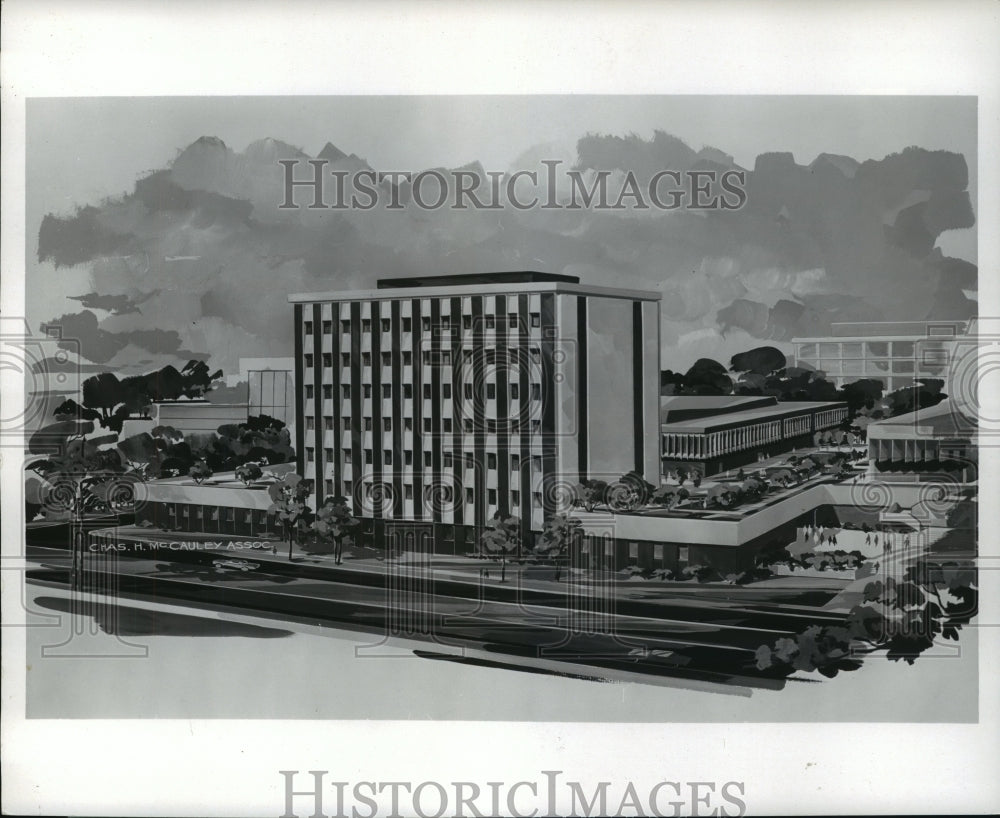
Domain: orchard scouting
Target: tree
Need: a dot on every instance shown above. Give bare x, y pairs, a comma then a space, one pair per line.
80, 477
758, 361
333, 524
558, 534
200, 472
707, 377
590, 493
288, 504
501, 538
249, 473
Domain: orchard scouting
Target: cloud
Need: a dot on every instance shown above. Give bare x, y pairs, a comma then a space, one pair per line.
203, 246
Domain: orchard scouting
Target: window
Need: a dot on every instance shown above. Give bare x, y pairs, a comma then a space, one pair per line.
467, 424
658, 553
428, 459
310, 454
536, 462
491, 391
446, 423
368, 424
407, 359
348, 487
230, 515
328, 327
408, 491
467, 321
537, 498
309, 391
345, 326
445, 323
310, 423
427, 391
425, 322
536, 425
327, 391
446, 357
426, 357
467, 391
448, 460
327, 359
515, 462
491, 460
491, 426
366, 390
387, 457
387, 424
536, 354
490, 322
470, 460
347, 423
407, 324
366, 358
427, 424
309, 327
536, 319
345, 358
408, 424
366, 324
491, 496
386, 325
328, 454
469, 496
214, 516
408, 458
328, 486
512, 320
407, 390
199, 513
386, 359
328, 424
387, 390
368, 456
184, 511
309, 359
683, 553
536, 391
513, 391
446, 391
345, 391
347, 455
515, 498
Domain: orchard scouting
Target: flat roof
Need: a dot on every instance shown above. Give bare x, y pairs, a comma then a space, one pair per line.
745, 416
683, 408
942, 420
454, 290
472, 279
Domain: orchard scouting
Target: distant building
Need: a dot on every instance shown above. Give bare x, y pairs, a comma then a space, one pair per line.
710, 434
271, 387
188, 416
941, 438
220, 505
439, 402
894, 352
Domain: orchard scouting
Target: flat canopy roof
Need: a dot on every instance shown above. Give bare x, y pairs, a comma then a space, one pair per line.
473, 279
469, 288
747, 416
944, 420
678, 408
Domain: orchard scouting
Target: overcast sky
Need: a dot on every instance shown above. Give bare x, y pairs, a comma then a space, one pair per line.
84, 149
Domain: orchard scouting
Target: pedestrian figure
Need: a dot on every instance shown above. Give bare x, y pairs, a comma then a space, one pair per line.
868, 539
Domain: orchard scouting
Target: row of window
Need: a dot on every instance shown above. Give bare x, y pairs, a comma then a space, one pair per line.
428, 356
491, 425
468, 393
447, 458
470, 493
444, 323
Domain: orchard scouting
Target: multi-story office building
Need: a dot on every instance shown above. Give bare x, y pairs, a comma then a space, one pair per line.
443, 401
197, 416
895, 352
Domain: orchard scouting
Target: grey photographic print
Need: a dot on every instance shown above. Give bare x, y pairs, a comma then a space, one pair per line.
516, 408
